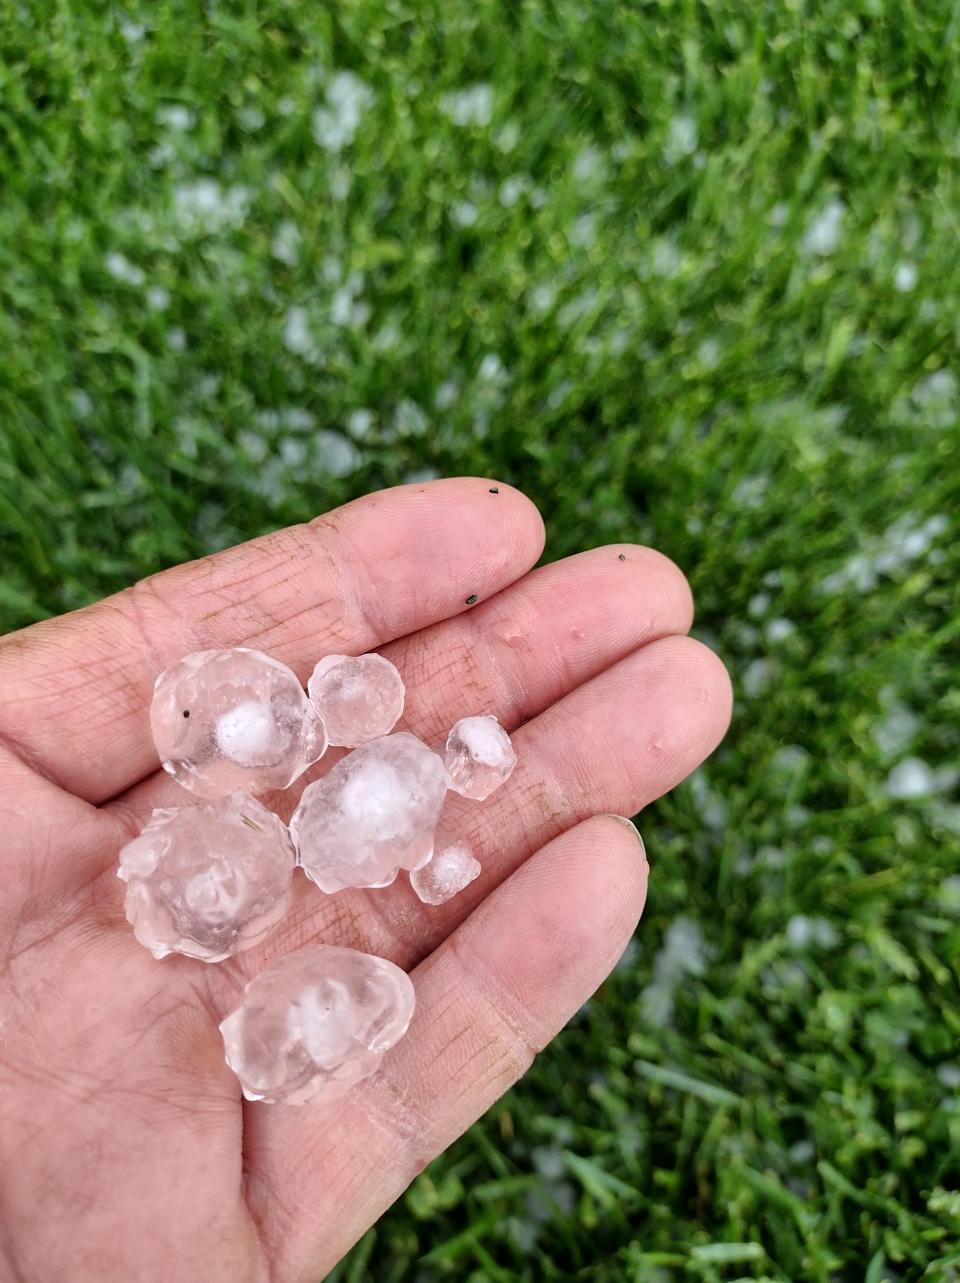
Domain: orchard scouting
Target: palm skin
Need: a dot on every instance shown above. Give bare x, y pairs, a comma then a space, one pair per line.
126, 1150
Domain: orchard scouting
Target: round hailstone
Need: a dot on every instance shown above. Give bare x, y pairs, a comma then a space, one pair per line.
375, 813
359, 697
234, 719
445, 875
208, 880
315, 1023
478, 757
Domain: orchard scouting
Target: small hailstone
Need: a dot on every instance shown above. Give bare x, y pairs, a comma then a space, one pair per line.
905, 277
825, 230
229, 719
478, 757
209, 880
359, 697
316, 1023
470, 106
375, 813
909, 779
445, 875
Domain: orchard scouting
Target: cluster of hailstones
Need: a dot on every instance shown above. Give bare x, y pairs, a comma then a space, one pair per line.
214, 878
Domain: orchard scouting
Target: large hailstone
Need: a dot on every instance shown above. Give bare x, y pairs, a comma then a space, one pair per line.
208, 880
234, 719
478, 757
359, 697
315, 1023
375, 813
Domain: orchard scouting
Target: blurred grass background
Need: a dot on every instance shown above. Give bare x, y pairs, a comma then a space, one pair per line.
686, 271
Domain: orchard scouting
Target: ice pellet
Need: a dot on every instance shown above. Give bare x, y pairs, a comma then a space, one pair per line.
316, 1023
359, 697
478, 756
444, 876
234, 719
208, 880
373, 814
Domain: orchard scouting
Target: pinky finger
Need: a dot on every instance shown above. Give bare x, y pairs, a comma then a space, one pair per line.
488, 999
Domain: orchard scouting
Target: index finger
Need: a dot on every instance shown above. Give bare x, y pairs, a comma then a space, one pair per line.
75, 691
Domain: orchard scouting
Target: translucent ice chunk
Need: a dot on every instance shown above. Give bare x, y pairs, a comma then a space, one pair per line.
208, 880
315, 1023
359, 697
445, 875
478, 757
374, 813
234, 719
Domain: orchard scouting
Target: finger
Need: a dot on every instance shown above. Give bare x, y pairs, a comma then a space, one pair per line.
515, 654
541, 638
75, 692
615, 744
488, 1000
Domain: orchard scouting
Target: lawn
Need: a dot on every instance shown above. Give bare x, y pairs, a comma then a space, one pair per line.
688, 274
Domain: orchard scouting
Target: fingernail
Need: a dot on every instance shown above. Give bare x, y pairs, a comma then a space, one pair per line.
622, 819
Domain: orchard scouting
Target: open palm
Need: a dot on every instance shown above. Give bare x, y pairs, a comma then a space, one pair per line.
126, 1150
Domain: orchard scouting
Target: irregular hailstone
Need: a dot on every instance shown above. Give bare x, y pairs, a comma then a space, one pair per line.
359, 697
372, 815
208, 880
229, 719
445, 875
478, 757
315, 1023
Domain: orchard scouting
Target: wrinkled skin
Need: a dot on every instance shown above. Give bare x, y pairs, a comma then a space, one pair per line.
126, 1150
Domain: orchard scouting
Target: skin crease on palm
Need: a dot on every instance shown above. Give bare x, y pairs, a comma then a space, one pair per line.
126, 1150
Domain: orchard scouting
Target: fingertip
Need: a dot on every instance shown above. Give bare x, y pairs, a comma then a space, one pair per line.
492, 515
624, 868
684, 691
634, 832
664, 584
521, 509
587, 887
713, 679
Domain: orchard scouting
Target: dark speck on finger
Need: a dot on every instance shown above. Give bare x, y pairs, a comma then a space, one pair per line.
621, 556
494, 489
472, 599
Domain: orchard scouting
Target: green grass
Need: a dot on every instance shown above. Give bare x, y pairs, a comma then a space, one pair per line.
689, 277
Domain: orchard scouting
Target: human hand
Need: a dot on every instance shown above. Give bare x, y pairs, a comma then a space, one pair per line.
126, 1150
